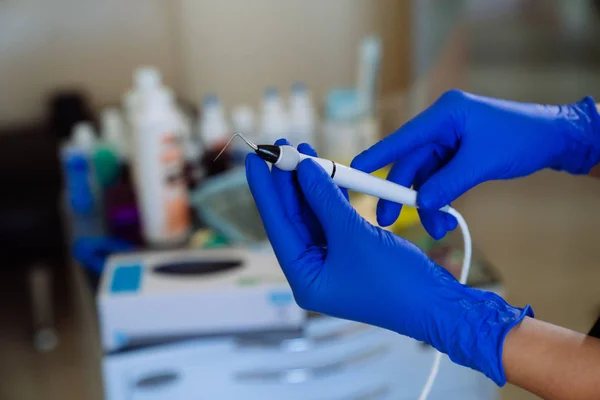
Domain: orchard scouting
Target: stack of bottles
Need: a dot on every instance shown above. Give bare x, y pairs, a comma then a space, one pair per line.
350, 113
131, 178
132, 181
296, 121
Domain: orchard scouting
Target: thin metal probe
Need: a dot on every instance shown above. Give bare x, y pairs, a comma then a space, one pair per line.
238, 134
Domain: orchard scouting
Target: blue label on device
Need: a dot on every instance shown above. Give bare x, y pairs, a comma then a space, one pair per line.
121, 339
126, 279
281, 298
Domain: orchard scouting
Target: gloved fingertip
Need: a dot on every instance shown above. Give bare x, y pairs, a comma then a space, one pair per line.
382, 219
256, 169
451, 222
307, 149
387, 212
434, 223
308, 171
345, 193
248, 162
308, 165
429, 201
282, 142
251, 159
358, 161
437, 233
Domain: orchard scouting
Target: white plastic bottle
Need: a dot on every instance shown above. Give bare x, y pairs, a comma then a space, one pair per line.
368, 74
243, 122
161, 187
145, 80
84, 137
214, 134
213, 124
274, 120
303, 119
113, 132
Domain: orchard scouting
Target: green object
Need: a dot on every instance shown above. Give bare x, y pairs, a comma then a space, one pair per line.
216, 241
248, 281
225, 204
106, 165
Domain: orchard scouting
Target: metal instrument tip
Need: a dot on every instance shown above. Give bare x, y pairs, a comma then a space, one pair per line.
240, 135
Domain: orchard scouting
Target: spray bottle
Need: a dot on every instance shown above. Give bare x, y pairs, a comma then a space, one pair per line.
161, 187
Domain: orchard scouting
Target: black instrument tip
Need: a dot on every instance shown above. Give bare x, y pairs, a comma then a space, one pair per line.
268, 152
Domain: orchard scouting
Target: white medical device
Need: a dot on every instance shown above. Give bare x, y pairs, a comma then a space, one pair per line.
151, 297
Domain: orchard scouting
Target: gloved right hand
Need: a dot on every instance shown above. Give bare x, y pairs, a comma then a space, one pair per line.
340, 265
463, 140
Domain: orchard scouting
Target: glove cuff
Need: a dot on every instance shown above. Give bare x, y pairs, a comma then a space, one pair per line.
583, 141
477, 340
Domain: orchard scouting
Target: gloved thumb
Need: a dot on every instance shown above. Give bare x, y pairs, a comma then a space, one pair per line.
324, 197
449, 183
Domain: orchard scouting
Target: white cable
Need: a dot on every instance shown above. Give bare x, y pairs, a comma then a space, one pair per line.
466, 266
464, 273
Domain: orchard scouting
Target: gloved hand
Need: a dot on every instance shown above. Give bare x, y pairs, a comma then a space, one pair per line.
463, 140
340, 265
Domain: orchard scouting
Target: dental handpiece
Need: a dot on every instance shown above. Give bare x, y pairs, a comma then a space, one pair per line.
287, 158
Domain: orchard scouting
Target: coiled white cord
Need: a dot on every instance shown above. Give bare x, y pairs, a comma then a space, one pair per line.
464, 273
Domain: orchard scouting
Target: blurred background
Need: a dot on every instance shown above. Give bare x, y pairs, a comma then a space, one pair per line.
110, 115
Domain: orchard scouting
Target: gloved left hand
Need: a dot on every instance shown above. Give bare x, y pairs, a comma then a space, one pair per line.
340, 265
463, 140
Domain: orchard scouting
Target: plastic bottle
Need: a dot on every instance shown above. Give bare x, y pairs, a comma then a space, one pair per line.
145, 80
184, 123
85, 142
84, 137
342, 139
214, 134
303, 120
110, 153
128, 104
113, 170
368, 74
243, 122
78, 169
82, 197
161, 188
113, 132
121, 208
274, 120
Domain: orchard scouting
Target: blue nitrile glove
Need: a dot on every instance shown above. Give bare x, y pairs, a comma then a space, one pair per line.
463, 140
339, 264
92, 252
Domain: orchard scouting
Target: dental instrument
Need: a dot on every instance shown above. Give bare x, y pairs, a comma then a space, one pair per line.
287, 158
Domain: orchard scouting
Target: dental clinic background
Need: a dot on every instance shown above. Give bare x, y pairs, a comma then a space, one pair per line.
135, 266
